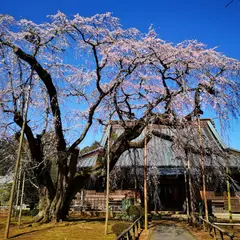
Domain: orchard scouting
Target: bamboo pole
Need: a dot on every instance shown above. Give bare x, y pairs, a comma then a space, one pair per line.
229, 194
107, 184
203, 169
17, 164
145, 183
21, 201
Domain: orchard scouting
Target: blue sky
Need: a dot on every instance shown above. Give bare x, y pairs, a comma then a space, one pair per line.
207, 21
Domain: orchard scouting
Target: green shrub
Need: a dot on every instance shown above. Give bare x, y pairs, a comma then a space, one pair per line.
156, 217
26, 212
5, 193
122, 216
118, 228
135, 212
34, 212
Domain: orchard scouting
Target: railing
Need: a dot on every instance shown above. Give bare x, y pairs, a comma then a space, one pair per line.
213, 230
132, 232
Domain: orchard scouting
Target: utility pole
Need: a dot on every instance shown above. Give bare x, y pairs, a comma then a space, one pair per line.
107, 184
17, 164
145, 183
203, 168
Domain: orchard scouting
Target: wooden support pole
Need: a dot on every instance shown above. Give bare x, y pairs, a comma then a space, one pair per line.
107, 183
214, 234
145, 183
133, 233
17, 164
221, 234
229, 194
186, 187
190, 187
203, 169
21, 201
135, 181
18, 190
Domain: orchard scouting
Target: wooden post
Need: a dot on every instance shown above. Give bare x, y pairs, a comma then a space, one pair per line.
134, 233
21, 202
135, 180
18, 190
17, 164
228, 194
107, 184
190, 186
186, 187
82, 197
128, 235
221, 234
204, 226
214, 234
203, 169
145, 183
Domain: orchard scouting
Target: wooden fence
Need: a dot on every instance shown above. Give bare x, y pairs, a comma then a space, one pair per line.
214, 230
132, 232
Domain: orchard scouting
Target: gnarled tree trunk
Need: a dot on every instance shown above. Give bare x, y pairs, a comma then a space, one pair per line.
54, 201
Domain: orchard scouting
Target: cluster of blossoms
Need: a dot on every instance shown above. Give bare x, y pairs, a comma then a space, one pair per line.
98, 67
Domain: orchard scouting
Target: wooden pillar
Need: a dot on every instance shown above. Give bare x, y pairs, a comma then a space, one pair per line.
190, 186
82, 198
186, 187
107, 179
203, 168
228, 194
135, 181
145, 183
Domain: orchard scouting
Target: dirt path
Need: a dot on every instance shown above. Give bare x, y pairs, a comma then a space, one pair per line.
171, 232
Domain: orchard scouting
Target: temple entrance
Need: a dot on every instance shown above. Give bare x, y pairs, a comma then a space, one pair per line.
171, 197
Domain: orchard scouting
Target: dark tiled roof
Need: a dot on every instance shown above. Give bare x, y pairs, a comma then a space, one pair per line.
162, 153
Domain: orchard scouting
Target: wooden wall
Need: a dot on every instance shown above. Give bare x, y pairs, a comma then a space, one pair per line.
220, 203
93, 200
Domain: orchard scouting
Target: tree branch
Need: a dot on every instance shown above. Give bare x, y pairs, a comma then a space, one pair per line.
47, 80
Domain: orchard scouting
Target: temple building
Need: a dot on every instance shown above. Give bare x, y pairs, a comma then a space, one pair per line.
174, 171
